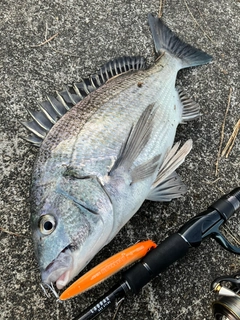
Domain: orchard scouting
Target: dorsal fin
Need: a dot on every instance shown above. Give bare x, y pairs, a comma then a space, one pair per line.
55, 107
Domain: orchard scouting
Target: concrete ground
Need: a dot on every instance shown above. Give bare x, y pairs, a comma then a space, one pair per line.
89, 34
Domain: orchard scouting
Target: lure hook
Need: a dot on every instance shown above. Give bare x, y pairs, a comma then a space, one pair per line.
51, 288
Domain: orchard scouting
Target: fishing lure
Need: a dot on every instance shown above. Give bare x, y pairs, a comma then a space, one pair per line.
107, 268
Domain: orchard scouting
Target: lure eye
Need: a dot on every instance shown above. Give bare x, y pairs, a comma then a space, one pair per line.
47, 224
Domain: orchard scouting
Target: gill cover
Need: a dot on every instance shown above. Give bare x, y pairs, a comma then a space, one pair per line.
76, 209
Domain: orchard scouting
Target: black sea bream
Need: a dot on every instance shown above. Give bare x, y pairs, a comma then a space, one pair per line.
107, 154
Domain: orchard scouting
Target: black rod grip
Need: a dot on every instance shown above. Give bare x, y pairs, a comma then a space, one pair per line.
156, 261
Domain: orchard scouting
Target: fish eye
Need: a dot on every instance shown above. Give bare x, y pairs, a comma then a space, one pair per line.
47, 224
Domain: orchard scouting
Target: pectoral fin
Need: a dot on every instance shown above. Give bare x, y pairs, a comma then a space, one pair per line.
137, 139
145, 170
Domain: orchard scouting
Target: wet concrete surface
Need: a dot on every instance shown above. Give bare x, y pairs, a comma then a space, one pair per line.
90, 34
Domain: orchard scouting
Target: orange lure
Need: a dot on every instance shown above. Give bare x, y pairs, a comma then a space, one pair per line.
107, 268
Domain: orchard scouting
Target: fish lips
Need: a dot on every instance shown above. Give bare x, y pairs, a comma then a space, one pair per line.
59, 269
62, 268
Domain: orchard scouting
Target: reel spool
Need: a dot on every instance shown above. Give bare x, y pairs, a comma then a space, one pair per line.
227, 306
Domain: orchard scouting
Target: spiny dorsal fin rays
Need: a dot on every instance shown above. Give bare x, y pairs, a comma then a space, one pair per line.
60, 105
40, 119
34, 140
54, 108
70, 98
172, 161
36, 129
137, 139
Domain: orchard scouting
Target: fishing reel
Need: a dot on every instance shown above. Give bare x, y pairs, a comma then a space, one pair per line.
227, 304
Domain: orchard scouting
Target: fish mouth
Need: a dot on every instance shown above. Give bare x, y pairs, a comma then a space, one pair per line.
63, 268
59, 270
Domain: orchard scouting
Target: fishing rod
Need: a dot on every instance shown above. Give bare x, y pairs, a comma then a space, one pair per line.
191, 234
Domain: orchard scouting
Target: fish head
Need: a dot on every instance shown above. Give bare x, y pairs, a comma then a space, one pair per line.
71, 222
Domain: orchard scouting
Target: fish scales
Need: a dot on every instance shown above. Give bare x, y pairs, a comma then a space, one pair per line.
107, 154
112, 108
83, 138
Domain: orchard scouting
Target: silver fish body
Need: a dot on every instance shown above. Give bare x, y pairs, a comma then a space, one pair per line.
105, 156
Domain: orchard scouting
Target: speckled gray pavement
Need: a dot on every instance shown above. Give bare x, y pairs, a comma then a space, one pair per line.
89, 34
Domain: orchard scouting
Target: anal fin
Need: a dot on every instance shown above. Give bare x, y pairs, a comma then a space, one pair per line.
168, 184
172, 187
191, 109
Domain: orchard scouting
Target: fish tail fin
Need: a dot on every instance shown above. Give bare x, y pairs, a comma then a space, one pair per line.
165, 40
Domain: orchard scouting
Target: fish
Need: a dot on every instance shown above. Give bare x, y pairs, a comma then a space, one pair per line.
106, 144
